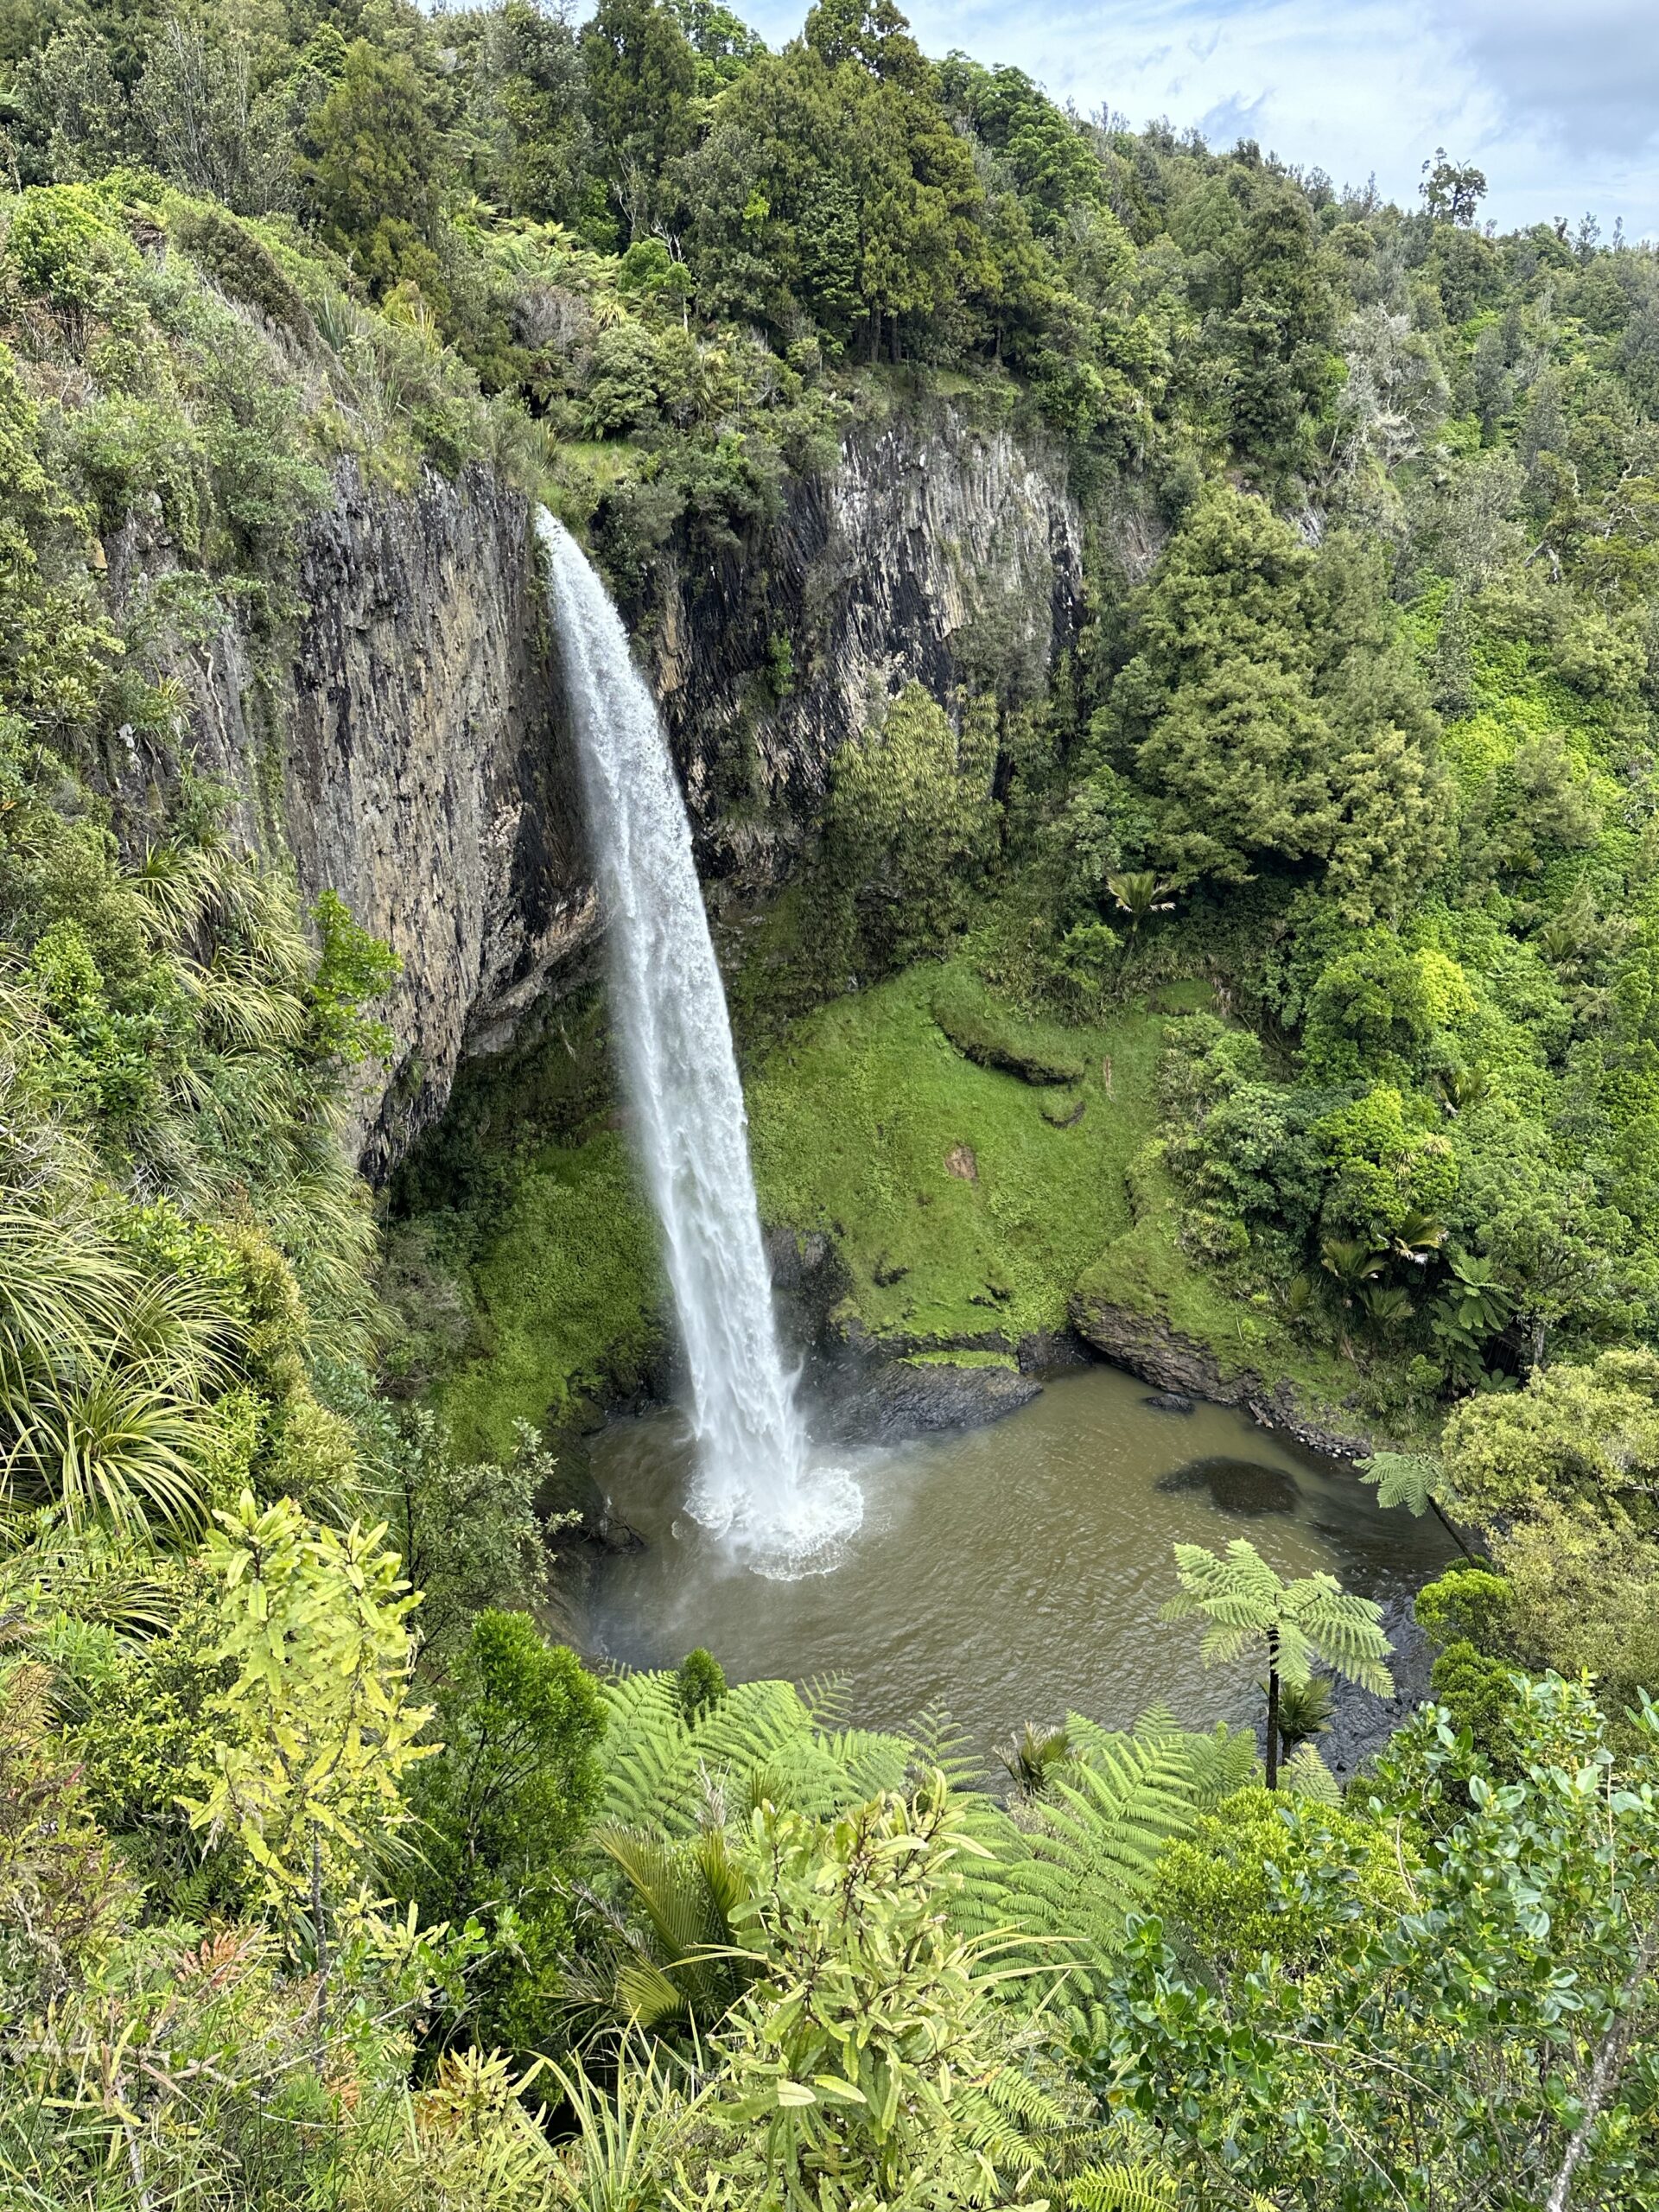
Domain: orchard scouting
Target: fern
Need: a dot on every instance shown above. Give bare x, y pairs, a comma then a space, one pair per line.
1250, 1609
1306, 1775
1122, 2186
762, 1742
1062, 1876
940, 1746
1407, 1479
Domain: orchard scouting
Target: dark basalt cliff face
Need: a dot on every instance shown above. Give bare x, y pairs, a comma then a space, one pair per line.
415, 756
428, 777
938, 552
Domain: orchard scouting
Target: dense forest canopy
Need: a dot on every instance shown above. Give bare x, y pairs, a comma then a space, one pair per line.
326, 1878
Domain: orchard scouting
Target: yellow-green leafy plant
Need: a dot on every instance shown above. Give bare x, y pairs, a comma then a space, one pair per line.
315, 1619
872, 2061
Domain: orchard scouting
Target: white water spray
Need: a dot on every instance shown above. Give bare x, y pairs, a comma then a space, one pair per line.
755, 1479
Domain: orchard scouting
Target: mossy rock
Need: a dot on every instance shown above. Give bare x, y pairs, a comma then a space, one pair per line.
568, 1297
990, 1037
959, 1210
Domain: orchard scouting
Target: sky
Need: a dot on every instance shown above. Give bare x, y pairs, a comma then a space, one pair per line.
1557, 102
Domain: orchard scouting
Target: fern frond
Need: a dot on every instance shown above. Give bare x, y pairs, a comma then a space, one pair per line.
941, 1745
1407, 1479
1121, 2186
1065, 1875
1305, 1775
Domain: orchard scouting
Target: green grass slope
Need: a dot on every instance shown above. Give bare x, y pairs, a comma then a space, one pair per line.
862, 1123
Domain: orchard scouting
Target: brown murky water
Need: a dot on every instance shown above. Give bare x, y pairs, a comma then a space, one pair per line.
1009, 1574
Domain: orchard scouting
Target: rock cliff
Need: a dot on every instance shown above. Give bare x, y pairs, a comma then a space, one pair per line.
414, 758
938, 551
428, 776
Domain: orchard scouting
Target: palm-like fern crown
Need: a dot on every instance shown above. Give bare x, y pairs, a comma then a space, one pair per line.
1407, 1479
1246, 1602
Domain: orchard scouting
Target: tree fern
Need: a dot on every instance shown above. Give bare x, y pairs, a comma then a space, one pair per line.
1407, 1479
1094, 1844
1062, 1876
1250, 1608
763, 1741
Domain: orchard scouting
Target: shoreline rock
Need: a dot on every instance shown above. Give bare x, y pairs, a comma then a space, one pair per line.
1179, 1366
908, 1398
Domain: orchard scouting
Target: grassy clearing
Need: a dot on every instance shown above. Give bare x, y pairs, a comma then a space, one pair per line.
857, 1120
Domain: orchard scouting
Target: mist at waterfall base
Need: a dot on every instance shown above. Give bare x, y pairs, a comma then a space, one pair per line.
756, 1483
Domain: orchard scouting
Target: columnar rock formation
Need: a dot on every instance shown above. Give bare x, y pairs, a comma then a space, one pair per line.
414, 756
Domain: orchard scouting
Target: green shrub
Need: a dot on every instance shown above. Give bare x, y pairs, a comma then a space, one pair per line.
66, 247
241, 264
701, 1683
503, 1801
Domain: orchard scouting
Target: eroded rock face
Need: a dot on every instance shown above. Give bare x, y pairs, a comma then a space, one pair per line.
940, 552
428, 777
415, 757
1184, 1370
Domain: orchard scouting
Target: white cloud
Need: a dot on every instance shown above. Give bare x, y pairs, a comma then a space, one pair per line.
1560, 105
1588, 76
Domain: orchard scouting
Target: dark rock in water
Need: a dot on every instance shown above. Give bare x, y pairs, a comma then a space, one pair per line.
1362, 1724
908, 1399
1170, 1402
613, 1534
1236, 1486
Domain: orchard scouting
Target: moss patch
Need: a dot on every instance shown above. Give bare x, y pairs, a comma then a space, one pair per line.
1004, 1360
959, 1209
991, 1037
1145, 1270
562, 1294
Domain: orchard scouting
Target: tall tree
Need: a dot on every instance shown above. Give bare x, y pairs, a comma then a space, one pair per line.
1271, 713
833, 183
642, 83
370, 168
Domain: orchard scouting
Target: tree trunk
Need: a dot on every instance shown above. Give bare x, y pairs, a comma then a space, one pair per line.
1272, 1708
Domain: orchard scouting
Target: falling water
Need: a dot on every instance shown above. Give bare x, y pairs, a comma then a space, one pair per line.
756, 1479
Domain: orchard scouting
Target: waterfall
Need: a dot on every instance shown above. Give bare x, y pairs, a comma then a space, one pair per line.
755, 1478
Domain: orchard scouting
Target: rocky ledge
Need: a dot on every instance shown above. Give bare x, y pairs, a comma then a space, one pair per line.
912, 1397
1180, 1365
